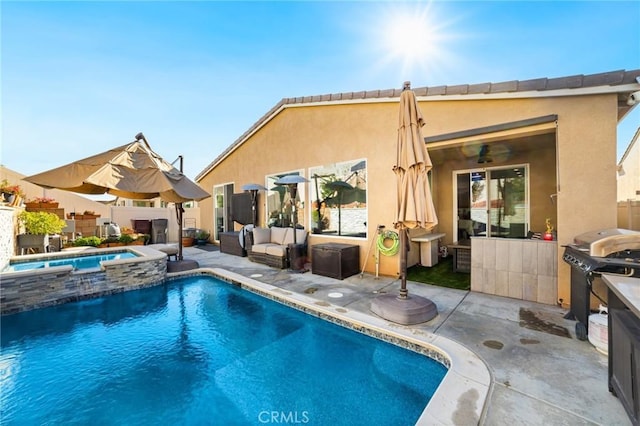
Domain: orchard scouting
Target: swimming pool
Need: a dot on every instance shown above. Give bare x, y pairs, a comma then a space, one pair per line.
200, 351
77, 262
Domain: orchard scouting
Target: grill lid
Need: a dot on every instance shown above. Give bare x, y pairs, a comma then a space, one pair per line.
607, 241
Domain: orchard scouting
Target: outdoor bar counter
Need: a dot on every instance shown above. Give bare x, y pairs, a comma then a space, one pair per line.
624, 341
515, 267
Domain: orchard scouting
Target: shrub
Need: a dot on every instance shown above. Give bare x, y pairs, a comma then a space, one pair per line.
92, 241
201, 234
41, 223
126, 238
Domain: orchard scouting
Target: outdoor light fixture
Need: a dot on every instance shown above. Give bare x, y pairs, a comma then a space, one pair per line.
484, 156
633, 98
253, 188
291, 182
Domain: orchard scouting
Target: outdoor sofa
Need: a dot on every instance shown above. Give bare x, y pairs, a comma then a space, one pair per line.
270, 246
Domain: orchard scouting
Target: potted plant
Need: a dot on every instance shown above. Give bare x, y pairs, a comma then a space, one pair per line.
39, 225
42, 203
202, 237
188, 237
10, 193
548, 235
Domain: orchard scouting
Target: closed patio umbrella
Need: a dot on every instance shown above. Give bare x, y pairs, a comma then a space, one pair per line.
414, 210
131, 171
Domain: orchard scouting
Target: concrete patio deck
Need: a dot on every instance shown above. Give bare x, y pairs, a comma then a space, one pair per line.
540, 373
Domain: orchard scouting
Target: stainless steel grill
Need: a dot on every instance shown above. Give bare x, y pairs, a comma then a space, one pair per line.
615, 251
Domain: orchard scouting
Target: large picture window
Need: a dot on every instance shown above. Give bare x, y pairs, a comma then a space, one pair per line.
339, 199
279, 204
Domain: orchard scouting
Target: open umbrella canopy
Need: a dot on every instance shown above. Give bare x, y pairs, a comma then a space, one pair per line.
131, 171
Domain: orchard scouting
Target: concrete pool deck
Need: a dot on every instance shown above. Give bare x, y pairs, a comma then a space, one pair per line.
540, 373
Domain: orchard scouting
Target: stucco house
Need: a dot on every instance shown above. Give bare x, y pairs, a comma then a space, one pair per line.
506, 157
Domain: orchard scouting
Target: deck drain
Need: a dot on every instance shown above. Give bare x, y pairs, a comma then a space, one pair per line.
493, 344
335, 295
255, 275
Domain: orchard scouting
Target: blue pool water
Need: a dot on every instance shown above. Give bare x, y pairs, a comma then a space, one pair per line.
79, 262
201, 351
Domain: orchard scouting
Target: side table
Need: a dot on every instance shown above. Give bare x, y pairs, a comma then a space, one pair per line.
428, 248
335, 260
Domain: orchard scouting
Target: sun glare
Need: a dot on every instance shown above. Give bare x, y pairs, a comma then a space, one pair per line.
412, 38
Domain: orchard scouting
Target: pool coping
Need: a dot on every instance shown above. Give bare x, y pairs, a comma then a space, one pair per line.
464, 391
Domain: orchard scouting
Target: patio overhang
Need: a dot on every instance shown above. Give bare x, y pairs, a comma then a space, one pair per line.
502, 131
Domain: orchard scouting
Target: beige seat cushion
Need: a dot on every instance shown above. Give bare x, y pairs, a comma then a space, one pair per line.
288, 238
261, 235
260, 248
301, 236
277, 250
278, 235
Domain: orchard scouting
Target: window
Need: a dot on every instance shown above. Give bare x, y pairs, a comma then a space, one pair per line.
493, 202
279, 204
339, 199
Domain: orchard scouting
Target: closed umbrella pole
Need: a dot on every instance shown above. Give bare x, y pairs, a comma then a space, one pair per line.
414, 210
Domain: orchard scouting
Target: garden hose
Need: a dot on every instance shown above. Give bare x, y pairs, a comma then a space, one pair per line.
393, 249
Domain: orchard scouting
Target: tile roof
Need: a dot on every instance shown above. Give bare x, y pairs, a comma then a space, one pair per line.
611, 78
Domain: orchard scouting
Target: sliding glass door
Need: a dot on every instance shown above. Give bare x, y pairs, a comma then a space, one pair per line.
492, 202
222, 209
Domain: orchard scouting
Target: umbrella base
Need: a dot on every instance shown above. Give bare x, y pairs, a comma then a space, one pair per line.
412, 310
182, 265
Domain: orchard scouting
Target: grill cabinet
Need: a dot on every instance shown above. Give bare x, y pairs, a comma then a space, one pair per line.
609, 250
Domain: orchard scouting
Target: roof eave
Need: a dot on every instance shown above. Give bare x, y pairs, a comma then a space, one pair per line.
619, 82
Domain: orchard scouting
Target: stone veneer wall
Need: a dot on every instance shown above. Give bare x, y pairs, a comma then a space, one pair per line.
517, 268
7, 234
22, 292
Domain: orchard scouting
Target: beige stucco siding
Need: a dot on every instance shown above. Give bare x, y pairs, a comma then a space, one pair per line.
587, 172
300, 137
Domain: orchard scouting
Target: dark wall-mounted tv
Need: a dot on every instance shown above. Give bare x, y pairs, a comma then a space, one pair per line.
241, 208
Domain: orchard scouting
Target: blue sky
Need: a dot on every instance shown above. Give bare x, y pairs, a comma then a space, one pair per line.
82, 77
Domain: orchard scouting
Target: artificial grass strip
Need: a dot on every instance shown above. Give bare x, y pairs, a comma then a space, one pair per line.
441, 275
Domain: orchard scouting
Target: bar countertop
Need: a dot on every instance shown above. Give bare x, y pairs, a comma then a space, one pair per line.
627, 289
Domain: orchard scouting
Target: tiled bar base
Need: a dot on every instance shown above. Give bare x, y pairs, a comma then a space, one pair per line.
517, 268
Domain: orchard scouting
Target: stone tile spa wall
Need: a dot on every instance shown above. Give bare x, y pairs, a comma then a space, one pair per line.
7, 240
42, 287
